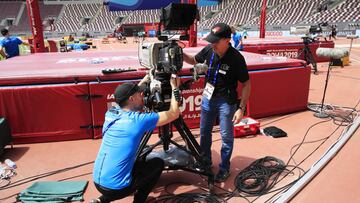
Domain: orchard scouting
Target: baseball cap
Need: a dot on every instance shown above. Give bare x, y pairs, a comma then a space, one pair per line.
125, 90
218, 31
4, 31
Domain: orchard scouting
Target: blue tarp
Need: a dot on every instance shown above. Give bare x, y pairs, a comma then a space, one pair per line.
118, 5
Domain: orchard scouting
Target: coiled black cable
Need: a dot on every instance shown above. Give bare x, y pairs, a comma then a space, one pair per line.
260, 176
188, 198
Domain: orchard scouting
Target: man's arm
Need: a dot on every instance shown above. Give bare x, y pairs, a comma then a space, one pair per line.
245, 94
26, 44
189, 59
2, 53
173, 113
242, 76
20, 42
145, 80
240, 44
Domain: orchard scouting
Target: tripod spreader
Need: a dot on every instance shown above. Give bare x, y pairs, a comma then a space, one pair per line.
191, 147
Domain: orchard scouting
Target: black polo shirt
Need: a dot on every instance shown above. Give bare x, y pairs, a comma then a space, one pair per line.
232, 68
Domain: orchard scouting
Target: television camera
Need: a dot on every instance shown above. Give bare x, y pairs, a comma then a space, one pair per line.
311, 33
163, 59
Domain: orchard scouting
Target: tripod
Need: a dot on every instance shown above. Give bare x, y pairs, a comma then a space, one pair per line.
192, 148
308, 56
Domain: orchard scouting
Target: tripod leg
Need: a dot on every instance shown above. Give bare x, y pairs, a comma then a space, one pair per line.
143, 144
195, 149
165, 135
310, 59
211, 182
189, 139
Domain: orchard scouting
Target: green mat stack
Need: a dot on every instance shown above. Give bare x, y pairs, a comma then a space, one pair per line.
54, 192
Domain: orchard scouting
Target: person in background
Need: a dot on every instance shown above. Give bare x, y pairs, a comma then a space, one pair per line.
9, 46
245, 34
237, 39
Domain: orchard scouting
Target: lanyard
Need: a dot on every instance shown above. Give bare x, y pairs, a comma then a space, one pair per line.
216, 71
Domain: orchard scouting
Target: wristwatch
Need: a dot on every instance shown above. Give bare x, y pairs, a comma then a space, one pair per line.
241, 108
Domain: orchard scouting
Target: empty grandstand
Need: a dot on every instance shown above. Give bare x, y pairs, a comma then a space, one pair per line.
289, 12
344, 12
77, 16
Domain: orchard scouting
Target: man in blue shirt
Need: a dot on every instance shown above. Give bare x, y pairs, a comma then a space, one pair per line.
10, 44
237, 39
77, 46
117, 173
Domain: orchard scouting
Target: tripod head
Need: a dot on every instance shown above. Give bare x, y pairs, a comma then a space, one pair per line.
308, 40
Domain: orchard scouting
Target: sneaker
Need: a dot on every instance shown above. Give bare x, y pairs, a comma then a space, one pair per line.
94, 201
199, 167
222, 175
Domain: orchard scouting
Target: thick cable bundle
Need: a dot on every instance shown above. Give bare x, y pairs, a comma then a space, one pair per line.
260, 176
188, 198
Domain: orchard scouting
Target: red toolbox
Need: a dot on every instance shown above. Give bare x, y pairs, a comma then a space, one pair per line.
247, 126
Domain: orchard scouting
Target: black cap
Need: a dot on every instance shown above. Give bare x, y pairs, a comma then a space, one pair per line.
219, 31
4, 31
125, 90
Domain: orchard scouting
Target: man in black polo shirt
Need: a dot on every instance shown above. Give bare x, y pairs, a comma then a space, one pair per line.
226, 67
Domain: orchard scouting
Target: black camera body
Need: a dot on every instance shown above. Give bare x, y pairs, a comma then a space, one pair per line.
162, 59
165, 57
170, 58
308, 40
315, 29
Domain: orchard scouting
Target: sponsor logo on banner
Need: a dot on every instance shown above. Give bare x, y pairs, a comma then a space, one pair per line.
273, 33
289, 53
341, 33
191, 105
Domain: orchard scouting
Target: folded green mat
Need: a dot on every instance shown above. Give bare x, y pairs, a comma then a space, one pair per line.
54, 192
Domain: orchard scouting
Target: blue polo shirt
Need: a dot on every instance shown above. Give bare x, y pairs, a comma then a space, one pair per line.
117, 154
79, 46
11, 45
236, 38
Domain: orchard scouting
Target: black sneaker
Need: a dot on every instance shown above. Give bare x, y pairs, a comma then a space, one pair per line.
199, 167
222, 175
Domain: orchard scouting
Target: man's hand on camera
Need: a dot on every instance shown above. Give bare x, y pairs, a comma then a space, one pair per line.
201, 68
145, 80
174, 81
